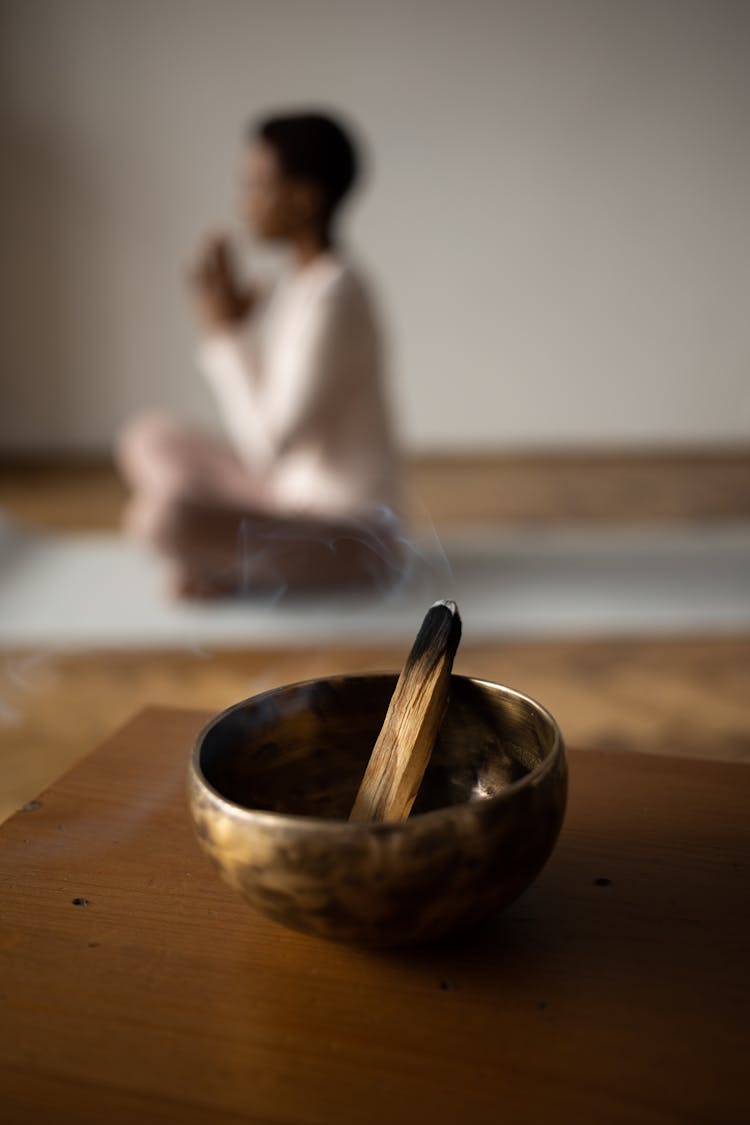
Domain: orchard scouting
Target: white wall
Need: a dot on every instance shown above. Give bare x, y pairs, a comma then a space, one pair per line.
559, 218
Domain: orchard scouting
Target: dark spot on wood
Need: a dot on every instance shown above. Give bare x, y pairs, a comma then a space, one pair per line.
80, 902
602, 881
446, 986
31, 806
94, 944
542, 1005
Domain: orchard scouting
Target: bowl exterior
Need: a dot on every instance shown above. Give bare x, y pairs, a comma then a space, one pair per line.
390, 884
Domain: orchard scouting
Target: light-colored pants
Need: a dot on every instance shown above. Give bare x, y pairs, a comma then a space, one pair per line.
195, 503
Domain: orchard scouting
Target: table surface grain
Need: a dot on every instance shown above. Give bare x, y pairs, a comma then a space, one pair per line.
615, 990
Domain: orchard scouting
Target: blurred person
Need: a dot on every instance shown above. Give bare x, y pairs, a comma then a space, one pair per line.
306, 490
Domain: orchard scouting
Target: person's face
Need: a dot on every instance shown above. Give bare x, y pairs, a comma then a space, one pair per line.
275, 207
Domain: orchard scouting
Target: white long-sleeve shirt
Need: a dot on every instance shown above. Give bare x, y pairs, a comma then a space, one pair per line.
300, 393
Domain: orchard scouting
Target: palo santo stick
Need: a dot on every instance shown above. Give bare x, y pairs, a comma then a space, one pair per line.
402, 751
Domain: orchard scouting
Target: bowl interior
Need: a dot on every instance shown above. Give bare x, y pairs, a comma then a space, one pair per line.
303, 749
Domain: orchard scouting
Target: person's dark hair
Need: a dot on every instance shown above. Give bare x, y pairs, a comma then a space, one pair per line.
316, 148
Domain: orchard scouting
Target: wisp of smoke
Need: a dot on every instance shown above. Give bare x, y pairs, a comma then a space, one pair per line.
388, 561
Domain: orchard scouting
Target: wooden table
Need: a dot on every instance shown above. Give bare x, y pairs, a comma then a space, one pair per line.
136, 987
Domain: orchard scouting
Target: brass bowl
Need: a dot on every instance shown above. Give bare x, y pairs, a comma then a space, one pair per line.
272, 780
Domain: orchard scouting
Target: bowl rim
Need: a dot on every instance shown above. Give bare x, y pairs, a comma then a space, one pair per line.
300, 821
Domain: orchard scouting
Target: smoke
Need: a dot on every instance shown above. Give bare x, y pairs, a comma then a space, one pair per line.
22, 674
95, 691
431, 557
371, 556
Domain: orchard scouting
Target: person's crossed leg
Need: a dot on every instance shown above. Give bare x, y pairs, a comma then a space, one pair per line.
193, 502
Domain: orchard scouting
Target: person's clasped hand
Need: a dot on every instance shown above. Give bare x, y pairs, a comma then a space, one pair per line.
222, 301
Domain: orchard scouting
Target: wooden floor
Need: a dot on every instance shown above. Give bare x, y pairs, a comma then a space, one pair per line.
521, 489
687, 697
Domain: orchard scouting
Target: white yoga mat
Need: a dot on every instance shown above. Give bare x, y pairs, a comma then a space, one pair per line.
64, 591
